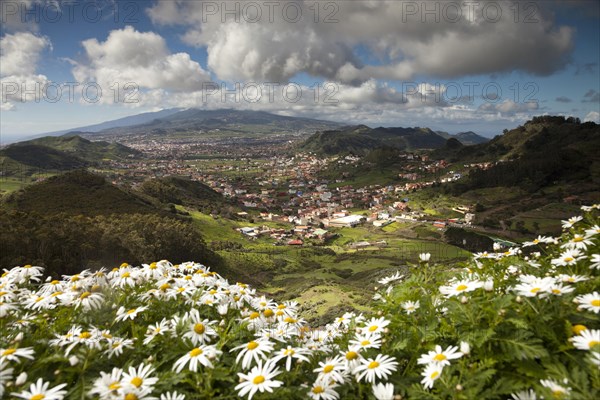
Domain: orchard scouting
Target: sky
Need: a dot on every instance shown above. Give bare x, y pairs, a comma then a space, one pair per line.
448, 65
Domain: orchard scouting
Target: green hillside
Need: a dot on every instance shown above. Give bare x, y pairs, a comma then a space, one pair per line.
182, 191
78, 192
83, 148
361, 139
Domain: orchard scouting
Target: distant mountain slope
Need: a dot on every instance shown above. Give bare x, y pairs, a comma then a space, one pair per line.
466, 138
78, 193
121, 122
362, 139
243, 121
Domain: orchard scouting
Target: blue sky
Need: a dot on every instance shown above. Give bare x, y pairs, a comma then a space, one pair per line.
390, 63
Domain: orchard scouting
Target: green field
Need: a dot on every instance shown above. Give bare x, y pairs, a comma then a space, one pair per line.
324, 278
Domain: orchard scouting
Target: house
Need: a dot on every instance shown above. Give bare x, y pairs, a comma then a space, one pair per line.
439, 224
348, 221
295, 242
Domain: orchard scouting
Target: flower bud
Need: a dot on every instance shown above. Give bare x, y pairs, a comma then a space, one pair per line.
465, 348
464, 300
21, 379
73, 360
459, 387
519, 299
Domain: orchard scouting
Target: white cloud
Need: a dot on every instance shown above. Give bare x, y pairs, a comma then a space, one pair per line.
592, 116
20, 53
468, 38
142, 58
509, 107
19, 57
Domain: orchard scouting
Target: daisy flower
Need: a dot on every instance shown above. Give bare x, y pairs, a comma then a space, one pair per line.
259, 379
557, 390
331, 370
15, 354
123, 314
375, 326
117, 345
289, 353
558, 289
200, 354
424, 257
323, 391
108, 383
157, 329
253, 350
440, 357
410, 306
352, 358
390, 279
524, 395
172, 396
568, 257
570, 222
590, 301
383, 391
431, 373
139, 378
366, 342
593, 231
5, 376
460, 287
587, 339
595, 261
88, 301
578, 242
571, 278
39, 390
379, 368
531, 285
200, 331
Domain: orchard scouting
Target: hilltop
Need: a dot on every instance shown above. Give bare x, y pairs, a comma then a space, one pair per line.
361, 139
466, 138
78, 193
59, 154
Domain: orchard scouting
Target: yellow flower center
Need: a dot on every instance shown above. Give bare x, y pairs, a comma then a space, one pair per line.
373, 328
569, 259
199, 329
153, 265
328, 368
289, 352
351, 355
577, 329
196, 352
593, 343
318, 389
373, 364
114, 386
137, 381
460, 288
258, 380
558, 394
281, 306
434, 375
268, 313
254, 315
595, 302
125, 275
556, 291
124, 265
131, 396
131, 311
181, 289
365, 343
289, 320
535, 290
54, 282
85, 335
37, 397
439, 357
84, 295
8, 352
75, 278
577, 239
164, 286
252, 345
